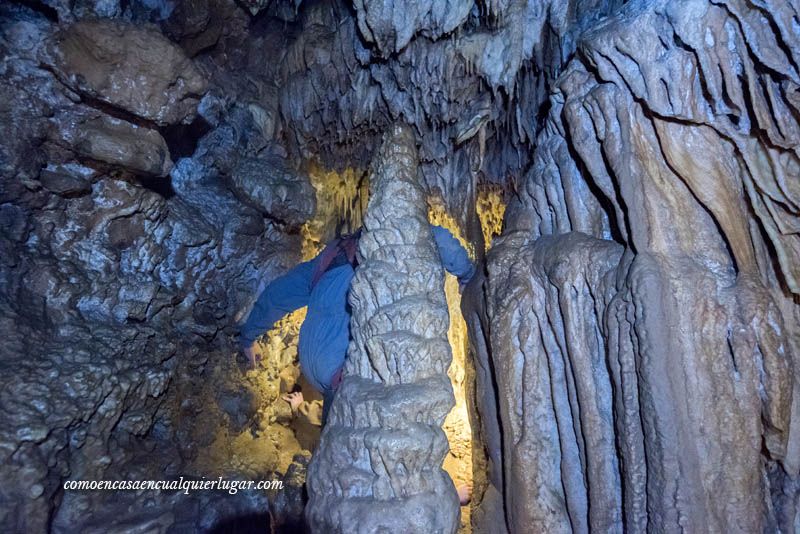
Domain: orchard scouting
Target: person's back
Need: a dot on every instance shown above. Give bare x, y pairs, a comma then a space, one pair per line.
323, 285
325, 332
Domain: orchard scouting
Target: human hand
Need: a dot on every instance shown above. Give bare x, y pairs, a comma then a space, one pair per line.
464, 493
253, 355
294, 399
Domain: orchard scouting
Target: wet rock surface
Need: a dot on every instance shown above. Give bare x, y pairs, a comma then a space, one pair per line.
379, 463
125, 271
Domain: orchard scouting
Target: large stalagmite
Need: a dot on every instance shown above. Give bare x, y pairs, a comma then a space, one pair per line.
378, 467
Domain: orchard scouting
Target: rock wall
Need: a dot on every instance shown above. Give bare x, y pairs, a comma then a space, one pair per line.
125, 268
644, 324
471, 77
379, 464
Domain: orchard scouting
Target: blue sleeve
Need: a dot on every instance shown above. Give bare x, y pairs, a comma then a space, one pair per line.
454, 258
283, 295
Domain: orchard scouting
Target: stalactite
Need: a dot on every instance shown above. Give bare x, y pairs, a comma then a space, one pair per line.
491, 208
341, 196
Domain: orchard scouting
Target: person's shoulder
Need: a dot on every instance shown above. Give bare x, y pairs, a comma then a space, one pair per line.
443, 236
440, 230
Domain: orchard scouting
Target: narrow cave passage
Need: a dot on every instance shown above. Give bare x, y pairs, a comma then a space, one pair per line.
344, 195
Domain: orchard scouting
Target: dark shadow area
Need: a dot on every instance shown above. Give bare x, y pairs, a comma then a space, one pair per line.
182, 139
158, 184
40, 7
246, 524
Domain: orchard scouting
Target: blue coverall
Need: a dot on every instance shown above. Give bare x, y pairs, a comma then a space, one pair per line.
325, 333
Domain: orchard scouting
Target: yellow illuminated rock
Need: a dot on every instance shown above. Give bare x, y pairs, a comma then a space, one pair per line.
340, 195
491, 208
459, 462
273, 444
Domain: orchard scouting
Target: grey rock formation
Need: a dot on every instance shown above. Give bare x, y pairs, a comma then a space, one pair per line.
119, 143
135, 69
655, 388
122, 277
380, 456
391, 26
69, 179
288, 507
556, 395
273, 189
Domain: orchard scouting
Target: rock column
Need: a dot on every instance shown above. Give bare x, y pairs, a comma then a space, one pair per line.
379, 464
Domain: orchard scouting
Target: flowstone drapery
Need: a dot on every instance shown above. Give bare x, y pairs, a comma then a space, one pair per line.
647, 374
378, 467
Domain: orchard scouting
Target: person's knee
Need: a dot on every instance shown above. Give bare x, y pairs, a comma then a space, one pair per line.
330, 381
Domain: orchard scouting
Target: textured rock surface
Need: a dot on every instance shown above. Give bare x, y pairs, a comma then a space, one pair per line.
123, 279
273, 189
134, 69
654, 386
119, 143
380, 456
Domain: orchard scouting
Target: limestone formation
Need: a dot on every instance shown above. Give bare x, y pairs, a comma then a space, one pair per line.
122, 280
119, 143
273, 189
136, 70
662, 378
379, 461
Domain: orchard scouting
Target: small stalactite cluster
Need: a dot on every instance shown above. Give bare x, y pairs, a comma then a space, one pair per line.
491, 207
341, 195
